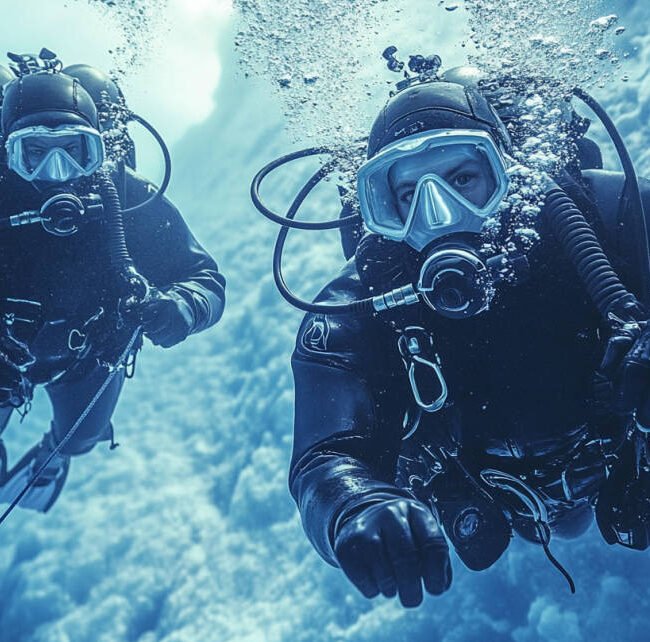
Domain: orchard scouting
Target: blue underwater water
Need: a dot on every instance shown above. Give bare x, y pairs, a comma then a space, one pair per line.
187, 533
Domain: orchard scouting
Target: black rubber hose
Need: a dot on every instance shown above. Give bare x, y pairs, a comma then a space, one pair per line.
543, 539
168, 165
117, 249
135, 288
583, 249
362, 307
286, 220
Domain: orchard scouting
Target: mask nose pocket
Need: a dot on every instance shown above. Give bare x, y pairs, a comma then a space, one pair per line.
431, 205
57, 166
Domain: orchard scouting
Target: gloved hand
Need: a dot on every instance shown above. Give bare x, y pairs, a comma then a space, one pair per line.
622, 506
626, 365
392, 547
166, 318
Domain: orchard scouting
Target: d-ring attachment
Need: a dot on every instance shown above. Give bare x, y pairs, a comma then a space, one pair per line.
416, 347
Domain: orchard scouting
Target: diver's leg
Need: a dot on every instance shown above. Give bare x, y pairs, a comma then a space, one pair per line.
69, 398
5, 416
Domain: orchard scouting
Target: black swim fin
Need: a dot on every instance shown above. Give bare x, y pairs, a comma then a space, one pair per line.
46, 489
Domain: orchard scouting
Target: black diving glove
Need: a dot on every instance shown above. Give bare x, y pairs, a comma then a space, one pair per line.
623, 502
166, 318
626, 365
391, 547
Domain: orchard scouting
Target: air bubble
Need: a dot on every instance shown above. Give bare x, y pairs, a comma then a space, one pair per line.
603, 23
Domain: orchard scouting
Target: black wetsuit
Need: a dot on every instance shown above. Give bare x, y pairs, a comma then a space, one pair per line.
520, 398
73, 282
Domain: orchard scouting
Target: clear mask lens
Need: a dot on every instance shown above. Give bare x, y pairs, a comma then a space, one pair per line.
55, 155
432, 184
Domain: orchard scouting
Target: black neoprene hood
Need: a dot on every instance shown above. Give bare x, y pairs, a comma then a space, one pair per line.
47, 99
434, 105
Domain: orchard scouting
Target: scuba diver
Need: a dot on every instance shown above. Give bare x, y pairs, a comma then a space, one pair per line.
455, 392
92, 256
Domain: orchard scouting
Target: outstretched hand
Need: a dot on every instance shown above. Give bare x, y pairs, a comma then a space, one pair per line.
394, 547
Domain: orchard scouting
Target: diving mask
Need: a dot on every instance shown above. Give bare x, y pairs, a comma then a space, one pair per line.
55, 155
424, 187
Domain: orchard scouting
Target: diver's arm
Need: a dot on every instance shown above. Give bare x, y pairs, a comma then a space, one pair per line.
337, 464
197, 280
167, 254
343, 468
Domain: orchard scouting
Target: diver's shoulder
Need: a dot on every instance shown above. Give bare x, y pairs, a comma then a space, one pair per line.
601, 182
344, 288
327, 337
137, 186
606, 184
605, 189
139, 190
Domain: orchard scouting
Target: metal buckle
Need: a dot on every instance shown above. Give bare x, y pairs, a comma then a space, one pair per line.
78, 338
416, 347
524, 493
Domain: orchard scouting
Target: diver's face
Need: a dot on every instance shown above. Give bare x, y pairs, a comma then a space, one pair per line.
36, 150
465, 168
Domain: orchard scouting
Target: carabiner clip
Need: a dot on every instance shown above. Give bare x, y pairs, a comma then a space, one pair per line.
416, 347
78, 339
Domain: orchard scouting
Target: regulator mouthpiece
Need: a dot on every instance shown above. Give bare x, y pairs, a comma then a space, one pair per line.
62, 213
454, 282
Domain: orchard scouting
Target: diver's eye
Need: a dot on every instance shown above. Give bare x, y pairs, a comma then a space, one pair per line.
462, 180
407, 197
